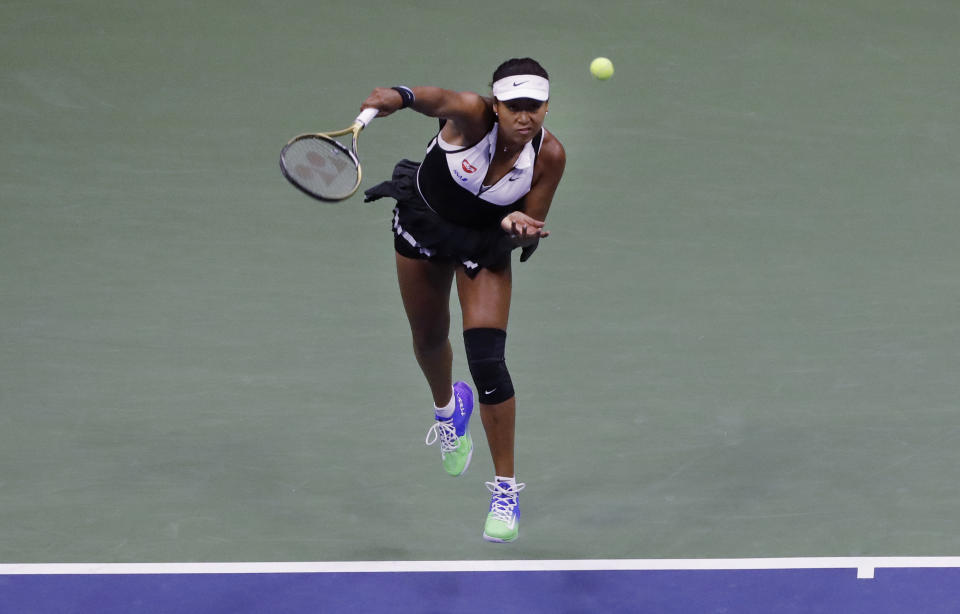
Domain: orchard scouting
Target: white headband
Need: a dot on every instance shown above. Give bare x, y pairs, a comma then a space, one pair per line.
522, 86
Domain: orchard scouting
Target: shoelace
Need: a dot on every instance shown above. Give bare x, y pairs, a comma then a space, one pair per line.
504, 500
446, 432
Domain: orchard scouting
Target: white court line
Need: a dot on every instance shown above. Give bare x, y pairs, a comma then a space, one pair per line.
865, 566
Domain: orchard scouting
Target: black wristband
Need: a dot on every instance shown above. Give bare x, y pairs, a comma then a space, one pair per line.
406, 93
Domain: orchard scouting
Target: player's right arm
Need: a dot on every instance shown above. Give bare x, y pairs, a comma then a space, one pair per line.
470, 114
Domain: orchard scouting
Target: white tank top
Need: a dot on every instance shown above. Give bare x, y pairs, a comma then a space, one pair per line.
468, 167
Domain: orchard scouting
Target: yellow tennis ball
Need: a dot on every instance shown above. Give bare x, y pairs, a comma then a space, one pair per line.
601, 68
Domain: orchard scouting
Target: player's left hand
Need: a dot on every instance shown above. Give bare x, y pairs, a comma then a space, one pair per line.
523, 229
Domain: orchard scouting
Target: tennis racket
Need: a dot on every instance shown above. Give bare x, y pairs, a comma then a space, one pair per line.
324, 168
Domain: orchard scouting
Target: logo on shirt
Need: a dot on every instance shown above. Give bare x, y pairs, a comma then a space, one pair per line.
468, 168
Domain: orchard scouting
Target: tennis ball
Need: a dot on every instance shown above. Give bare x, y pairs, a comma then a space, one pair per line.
601, 68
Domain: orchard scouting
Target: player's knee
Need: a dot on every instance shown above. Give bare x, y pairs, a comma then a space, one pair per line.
485, 357
428, 338
428, 343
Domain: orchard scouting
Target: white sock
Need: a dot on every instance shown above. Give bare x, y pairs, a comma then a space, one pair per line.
447, 410
511, 481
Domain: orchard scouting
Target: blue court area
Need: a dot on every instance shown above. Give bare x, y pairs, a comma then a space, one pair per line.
819, 588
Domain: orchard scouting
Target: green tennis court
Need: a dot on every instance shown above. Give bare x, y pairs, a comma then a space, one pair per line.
741, 339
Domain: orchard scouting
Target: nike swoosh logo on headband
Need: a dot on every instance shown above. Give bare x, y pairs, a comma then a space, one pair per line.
515, 84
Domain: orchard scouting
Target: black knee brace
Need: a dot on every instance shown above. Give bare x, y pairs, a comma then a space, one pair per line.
485, 348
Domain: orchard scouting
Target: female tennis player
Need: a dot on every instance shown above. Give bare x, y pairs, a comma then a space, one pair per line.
484, 188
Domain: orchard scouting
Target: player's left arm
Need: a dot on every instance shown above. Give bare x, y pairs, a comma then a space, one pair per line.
528, 225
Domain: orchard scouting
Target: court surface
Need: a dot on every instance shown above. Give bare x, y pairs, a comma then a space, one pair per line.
740, 341
665, 586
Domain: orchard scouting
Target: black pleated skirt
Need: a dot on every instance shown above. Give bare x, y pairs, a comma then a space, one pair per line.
419, 232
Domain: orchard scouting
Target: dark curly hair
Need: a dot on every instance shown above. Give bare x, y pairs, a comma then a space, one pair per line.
519, 66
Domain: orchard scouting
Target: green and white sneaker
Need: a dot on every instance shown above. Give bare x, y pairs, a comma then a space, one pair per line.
456, 444
503, 519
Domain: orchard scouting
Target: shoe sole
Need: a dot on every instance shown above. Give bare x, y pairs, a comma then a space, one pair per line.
497, 540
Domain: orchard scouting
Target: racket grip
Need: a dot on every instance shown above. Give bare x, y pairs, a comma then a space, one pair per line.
366, 116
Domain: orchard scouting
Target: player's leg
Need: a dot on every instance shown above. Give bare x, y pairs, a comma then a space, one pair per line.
425, 290
485, 302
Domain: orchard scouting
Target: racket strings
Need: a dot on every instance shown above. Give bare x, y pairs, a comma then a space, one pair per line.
322, 167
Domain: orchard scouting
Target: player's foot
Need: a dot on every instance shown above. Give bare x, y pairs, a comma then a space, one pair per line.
503, 520
456, 444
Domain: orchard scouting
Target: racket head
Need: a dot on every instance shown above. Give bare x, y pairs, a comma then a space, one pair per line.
321, 167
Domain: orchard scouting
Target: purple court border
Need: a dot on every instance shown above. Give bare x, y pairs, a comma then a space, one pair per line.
701, 586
